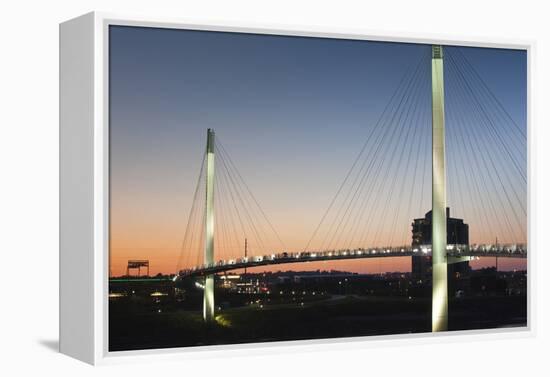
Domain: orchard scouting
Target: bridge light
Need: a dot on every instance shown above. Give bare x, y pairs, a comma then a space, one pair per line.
199, 285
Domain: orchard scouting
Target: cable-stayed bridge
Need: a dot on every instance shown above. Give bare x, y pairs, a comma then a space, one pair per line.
478, 166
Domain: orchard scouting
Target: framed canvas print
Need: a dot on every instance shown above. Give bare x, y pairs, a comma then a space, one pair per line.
225, 186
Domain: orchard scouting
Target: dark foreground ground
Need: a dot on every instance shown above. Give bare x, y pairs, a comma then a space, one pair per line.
132, 326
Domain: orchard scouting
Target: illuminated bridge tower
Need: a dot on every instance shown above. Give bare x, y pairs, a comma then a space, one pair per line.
439, 200
208, 304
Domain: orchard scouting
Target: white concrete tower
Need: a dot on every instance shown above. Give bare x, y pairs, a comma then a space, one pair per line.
208, 305
439, 196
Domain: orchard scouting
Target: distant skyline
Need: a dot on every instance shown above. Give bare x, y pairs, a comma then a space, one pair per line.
293, 112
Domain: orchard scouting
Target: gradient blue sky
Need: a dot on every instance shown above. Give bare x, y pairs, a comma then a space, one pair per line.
293, 113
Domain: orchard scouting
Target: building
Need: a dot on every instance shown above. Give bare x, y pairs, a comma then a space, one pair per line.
457, 231
457, 234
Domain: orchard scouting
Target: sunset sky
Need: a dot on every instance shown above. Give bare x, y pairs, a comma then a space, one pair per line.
293, 113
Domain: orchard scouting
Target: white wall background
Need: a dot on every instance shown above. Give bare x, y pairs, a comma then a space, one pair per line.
29, 186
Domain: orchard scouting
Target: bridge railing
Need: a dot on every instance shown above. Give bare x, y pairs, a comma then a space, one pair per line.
287, 257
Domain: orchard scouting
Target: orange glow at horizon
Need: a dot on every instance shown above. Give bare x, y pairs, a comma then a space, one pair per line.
150, 225
153, 230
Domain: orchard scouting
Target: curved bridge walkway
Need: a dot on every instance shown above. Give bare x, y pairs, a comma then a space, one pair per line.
455, 253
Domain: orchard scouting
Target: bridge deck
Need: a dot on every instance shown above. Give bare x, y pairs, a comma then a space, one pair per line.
511, 251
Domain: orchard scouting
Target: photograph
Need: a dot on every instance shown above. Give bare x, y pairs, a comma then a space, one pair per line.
266, 187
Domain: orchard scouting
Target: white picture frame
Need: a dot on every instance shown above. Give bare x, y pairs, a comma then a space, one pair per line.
84, 207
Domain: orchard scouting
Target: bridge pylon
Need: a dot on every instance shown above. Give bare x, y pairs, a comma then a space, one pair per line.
439, 200
208, 303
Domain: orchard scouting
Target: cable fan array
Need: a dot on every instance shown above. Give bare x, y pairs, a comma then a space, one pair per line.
239, 222
389, 183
